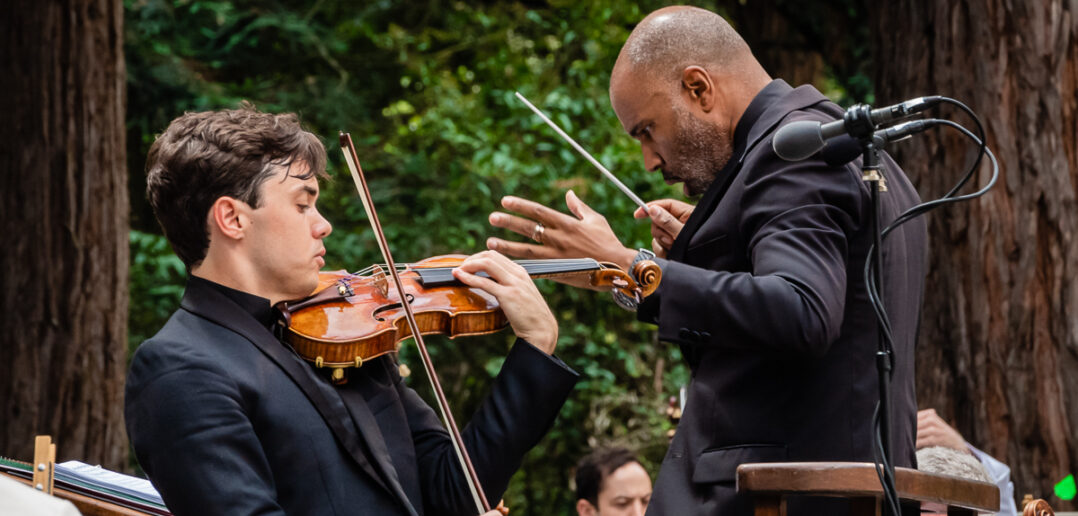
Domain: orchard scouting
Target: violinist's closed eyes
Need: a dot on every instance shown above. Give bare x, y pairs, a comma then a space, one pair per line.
226, 419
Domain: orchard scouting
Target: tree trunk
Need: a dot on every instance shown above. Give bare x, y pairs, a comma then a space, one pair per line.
65, 218
782, 49
998, 351
807, 42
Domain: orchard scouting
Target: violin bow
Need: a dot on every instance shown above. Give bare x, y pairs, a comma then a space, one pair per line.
352, 159
569, 139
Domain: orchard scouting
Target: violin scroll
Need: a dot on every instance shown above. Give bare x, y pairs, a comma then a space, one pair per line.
648, 275
629, 289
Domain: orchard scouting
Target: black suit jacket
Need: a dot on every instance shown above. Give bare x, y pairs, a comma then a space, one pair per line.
763, 291
226, 420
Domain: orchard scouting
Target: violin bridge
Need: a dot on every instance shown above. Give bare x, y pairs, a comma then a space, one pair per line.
378, 278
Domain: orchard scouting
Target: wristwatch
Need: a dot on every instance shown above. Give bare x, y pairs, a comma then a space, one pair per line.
624, 301
641, 255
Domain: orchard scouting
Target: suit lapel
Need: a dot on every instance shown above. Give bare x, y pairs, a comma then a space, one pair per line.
700, 213
367, 424
217, 308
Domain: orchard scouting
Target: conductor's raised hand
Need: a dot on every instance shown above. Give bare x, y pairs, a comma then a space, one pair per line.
584, 234
668, 216
515, 291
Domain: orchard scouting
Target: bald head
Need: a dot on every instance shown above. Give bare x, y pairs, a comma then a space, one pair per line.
680, 85
672, 38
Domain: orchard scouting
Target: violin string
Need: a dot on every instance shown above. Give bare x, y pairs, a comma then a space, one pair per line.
380, 266
537, 267
540, 266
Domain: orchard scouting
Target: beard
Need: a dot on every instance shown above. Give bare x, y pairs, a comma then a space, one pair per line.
701, 149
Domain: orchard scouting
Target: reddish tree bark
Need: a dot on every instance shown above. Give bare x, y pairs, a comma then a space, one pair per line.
65, 218
998, 351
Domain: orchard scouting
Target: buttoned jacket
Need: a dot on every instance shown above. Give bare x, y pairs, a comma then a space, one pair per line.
763, 292
225, 419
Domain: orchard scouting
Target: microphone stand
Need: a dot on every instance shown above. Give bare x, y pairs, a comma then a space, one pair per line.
860, 127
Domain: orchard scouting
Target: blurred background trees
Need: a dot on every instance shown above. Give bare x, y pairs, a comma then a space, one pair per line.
426, 90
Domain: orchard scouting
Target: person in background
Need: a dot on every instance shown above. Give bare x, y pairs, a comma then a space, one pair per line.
934, 432
611, 482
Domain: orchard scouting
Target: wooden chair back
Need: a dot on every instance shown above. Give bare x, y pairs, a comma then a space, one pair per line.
771, 483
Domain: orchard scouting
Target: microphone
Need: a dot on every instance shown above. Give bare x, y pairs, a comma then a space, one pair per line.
840, 151
843, 148
902, 131
799, 140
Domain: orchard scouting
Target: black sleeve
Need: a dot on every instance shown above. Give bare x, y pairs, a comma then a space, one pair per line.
796, 219
524, 400
190, 419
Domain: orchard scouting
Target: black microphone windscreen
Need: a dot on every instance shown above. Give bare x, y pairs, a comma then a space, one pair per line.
841, 150
798, 140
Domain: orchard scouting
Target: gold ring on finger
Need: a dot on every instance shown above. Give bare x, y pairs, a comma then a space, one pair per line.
537, 233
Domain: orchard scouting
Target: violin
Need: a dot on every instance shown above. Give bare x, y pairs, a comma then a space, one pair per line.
343, 289
354, 317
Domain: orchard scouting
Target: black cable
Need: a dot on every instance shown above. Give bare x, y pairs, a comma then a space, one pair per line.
915, 211
981, 150
884, 470
949, 197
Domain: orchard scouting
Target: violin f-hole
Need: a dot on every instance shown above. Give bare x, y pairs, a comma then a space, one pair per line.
381, 309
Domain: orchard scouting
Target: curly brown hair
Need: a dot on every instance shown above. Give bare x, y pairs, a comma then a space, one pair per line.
204, 156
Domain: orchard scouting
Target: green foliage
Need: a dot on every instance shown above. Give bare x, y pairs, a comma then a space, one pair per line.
157, 277
426, 89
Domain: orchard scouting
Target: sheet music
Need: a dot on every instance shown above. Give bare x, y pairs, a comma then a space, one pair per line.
101, 477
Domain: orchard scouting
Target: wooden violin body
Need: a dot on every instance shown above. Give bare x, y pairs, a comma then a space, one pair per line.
353, 318
370, 322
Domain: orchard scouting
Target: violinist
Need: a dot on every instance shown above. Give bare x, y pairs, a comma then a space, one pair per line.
762, 283
226, 419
